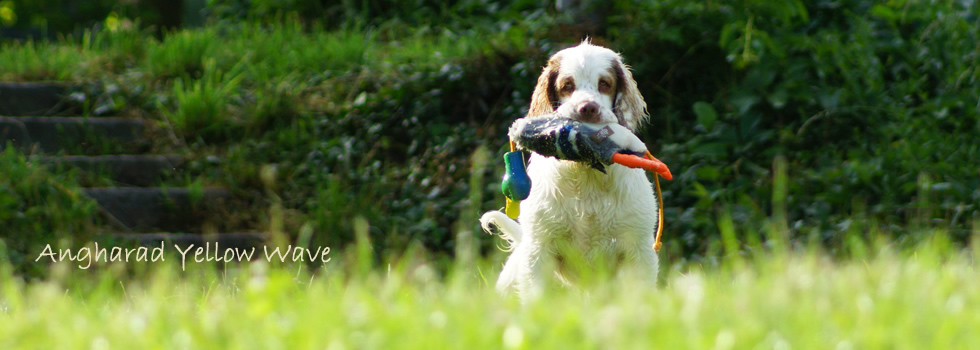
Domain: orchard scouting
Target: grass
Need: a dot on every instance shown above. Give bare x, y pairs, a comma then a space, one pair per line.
39, 61
250, 94
287, 50
920, 298
203, 103
290, 111
360, 136
38, 206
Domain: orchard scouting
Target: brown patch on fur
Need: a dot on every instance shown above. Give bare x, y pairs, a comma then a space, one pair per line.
614, 82
545, 96
629, 107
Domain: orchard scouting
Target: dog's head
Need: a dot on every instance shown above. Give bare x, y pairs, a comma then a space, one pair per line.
591, 84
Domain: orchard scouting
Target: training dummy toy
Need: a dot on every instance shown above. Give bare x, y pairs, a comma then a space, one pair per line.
598, 145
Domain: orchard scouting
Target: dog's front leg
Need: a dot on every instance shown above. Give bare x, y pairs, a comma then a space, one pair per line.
650, 265
644, 265
529, 271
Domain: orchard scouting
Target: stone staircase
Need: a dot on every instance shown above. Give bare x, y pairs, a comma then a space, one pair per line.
146, 203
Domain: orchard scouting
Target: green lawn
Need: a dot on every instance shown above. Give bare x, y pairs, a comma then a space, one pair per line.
922, 298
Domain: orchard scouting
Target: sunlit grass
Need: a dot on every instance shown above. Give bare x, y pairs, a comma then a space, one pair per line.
267, 53
922, 298
209, 72
31, 61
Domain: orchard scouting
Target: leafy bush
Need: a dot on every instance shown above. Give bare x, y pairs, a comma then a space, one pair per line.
458, 14
396, 148
873, 105
39, 208
50, 17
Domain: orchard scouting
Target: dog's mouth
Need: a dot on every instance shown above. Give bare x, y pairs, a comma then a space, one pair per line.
588, 112
595, 119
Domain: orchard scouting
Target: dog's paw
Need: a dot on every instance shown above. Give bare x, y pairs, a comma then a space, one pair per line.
496, 222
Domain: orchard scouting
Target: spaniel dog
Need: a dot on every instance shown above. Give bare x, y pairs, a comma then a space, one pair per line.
578, 218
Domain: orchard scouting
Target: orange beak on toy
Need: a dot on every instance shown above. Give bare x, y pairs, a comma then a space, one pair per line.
650, 163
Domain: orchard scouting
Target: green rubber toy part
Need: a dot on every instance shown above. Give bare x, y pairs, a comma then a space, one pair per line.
516, 184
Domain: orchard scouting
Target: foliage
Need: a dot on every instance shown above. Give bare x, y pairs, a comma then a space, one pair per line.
456, 14
871, 105
49, 19
355, 125
37, 208
203, 104
54, 16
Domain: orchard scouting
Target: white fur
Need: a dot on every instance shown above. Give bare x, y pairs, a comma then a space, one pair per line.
572, 206
584, 65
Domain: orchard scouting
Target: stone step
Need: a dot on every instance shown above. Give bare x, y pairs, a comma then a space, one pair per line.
14, 132
36, 99
54, 134
127, 170
160, 209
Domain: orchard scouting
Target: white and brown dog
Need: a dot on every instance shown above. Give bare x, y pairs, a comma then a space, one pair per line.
574, 211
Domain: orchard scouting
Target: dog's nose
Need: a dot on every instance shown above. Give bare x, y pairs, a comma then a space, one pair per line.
589, 111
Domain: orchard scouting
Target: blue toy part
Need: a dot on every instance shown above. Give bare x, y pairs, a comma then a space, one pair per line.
516, 185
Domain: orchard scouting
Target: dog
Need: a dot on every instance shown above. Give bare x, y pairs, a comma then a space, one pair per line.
577, 217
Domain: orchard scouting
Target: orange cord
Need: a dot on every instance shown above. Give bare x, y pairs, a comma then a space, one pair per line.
660, 207
660, 214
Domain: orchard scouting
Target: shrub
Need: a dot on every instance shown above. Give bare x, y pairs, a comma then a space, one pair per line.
38, 208
873, 105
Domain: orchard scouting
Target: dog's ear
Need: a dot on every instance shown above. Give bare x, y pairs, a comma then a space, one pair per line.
630, 108
545, 97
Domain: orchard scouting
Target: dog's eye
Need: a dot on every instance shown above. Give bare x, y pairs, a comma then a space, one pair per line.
567, 88
604, 86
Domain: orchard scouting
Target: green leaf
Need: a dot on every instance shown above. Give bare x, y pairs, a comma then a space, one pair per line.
885, 12
710, 173
714, 149
759, 77
828, 99
706, 114
778, 98
744, 101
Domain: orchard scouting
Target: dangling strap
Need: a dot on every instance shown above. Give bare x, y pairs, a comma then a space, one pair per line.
660, 213
660, 208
